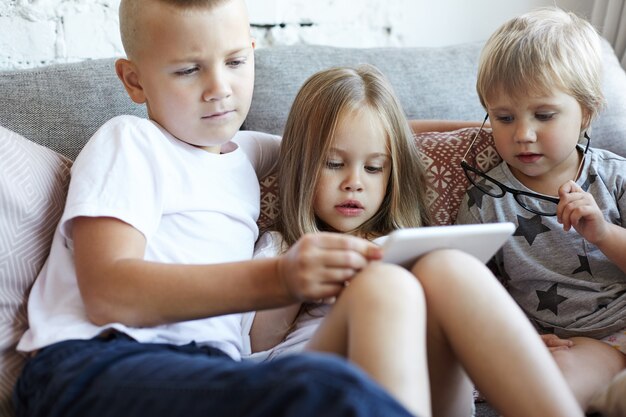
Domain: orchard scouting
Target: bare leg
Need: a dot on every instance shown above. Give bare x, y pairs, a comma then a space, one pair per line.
611, 400
589, 366
379, 323
451, 388
474, 323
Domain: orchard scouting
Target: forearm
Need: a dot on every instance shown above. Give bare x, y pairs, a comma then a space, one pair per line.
614, 246
118, 285
140, 293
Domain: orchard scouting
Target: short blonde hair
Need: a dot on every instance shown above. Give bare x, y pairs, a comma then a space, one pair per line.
544, 49
131, 10
324, 99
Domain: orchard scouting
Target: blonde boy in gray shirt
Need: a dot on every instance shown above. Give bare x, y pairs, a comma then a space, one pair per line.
539, 79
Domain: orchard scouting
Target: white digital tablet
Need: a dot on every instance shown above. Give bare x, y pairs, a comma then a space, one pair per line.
404, 246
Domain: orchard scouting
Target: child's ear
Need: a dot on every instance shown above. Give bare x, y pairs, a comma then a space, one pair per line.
586, 119
127, 73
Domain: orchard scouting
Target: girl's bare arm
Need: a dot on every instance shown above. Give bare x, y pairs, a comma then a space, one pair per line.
270, 326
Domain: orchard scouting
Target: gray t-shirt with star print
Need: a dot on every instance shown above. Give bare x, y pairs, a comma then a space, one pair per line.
564, 284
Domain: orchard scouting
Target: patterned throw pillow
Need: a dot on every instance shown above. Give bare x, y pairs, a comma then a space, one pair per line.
269, 202
441, 154
33, 185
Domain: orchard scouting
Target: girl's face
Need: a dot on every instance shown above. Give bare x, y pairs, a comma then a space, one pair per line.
354, 178
537, 137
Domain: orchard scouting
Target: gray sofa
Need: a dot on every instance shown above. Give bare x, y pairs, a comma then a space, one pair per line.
60, 107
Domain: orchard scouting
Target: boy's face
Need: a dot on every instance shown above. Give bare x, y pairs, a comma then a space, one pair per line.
196, 70
537, 137
354, 178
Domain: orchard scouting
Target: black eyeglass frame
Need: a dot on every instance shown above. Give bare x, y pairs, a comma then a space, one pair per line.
503, 188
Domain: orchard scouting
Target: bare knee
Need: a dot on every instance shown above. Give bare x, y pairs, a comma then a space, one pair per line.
587, 349
588, 366
382, 283
448, 267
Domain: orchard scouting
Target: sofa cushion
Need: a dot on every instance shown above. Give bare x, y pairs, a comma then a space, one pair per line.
61, 106
33, 185
269, 202
441, 155
431, 82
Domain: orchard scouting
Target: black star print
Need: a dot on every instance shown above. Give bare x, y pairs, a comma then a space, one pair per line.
530, 228
475, 197
590, 180
584, 265
550, 300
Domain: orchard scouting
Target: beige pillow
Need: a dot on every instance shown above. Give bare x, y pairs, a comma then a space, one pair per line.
33, 186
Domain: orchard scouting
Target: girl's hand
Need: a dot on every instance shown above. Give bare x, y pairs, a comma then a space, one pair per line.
319, 265
579, 210
553, 342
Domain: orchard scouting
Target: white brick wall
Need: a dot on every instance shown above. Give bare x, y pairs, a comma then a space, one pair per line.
336, 22
40, 32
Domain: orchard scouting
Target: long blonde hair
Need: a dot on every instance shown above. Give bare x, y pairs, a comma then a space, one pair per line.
311, 125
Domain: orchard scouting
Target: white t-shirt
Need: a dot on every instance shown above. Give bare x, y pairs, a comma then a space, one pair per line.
192, 206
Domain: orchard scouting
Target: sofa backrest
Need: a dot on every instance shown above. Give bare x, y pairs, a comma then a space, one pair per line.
61, 106
432, 83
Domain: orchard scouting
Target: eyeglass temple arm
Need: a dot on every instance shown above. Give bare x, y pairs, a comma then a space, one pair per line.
476, 137
588, 140
582, 160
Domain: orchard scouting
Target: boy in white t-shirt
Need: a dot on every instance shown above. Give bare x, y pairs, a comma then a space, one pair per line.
137, 310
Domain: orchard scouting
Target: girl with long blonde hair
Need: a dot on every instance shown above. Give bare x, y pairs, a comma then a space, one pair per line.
349, 166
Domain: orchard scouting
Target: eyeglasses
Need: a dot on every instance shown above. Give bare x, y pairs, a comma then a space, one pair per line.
540, 204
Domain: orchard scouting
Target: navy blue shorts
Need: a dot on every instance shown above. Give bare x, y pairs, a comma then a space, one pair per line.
119, 377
